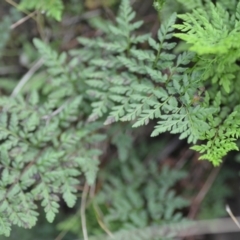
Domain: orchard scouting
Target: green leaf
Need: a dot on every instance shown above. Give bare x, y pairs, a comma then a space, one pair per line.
53, 8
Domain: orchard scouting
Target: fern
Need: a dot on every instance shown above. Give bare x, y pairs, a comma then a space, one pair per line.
53, 8
212, 33
191, 4
52, 137
40, 153
220, 140
140, 86
131, 99
128, 211
158, 4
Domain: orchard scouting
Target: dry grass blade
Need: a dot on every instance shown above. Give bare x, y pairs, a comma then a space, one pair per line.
22, 20
82, 211
232, 216
27, 77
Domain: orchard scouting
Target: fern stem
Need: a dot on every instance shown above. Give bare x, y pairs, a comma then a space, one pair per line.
98, 212
82, 211
22, 20
157, 57
19, 9
40, 25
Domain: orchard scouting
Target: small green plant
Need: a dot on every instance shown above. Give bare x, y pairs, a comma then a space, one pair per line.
158, 4
53, 8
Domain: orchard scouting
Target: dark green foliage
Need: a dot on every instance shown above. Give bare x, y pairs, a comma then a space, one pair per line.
144, 203
128, 202
141, 91
158, 4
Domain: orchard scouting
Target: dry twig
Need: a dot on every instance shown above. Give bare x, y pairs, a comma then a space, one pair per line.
199, 198
27, 77
82, 211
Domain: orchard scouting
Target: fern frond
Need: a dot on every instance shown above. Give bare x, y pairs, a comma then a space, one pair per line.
220, 140
53, 8
207, 33
40, 151
211, 33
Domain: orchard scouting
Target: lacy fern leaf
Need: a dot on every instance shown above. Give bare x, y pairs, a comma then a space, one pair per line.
53, 8
212, 33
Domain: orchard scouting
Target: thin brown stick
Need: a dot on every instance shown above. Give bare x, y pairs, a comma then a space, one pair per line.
183, 159
99, 214
201, 195
22, 20
61, 235
16, 6
100, 221
37, 18
82, 211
